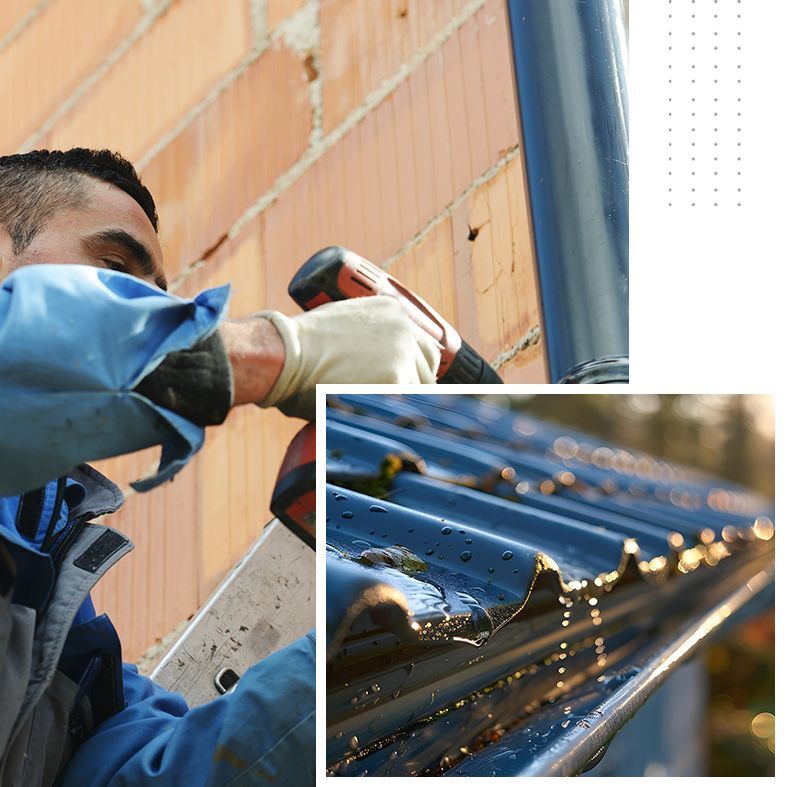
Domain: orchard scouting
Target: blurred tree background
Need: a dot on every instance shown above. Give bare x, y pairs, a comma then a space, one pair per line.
731, 436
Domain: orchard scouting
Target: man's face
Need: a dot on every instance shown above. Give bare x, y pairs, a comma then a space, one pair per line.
110, 231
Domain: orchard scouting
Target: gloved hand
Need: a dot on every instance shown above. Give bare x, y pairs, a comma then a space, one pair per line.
361, 340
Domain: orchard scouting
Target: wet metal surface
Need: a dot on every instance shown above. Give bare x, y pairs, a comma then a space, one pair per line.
575, 730
483, 565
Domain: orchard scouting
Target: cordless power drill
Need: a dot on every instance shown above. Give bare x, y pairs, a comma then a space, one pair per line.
336, 274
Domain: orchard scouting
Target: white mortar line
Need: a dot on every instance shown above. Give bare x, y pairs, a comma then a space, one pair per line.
531, 338
258, 10
314, 44
315, 97
300, 32
23, 23
142, 26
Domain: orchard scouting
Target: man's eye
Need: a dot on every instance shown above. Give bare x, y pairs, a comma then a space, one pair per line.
114, 265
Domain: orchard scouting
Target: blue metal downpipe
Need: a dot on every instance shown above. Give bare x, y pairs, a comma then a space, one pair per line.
570, 63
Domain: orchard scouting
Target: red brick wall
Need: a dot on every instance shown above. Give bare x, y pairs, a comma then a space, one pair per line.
267, 129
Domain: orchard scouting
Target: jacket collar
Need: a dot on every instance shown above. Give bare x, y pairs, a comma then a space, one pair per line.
102, 496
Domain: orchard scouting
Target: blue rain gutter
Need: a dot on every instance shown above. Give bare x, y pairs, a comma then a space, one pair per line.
487, 615
570, 63
574, 748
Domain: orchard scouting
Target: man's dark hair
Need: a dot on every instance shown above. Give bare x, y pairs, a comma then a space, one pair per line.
33, 186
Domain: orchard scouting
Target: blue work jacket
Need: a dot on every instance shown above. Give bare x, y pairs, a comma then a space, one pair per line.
74, 341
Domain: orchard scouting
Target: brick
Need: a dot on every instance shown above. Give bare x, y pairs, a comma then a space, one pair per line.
478, 288
230, 155
390, 211
122, 593
350, 197
404, 154
137, 524
215, 550
457, 115
281, 256
155, 534
324, 207
235, 494
425, 186
12, 12
238, 501
355, 178
370, 187
339, 60
51, 58
506, 298
466, 307
496, 292
473, 87
164, 74
390, 204
182, 528
259, 460
279, 10
363, 44
522, 244
437, 119
328, 188
352, 174
429, 269
498, 92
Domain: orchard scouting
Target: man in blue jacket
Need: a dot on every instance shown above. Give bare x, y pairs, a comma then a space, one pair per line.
97, 359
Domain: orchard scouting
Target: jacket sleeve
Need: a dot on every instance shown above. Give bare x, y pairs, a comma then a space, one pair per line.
261, 733
74, 342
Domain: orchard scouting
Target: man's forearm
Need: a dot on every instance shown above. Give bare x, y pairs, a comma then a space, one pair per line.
256, 354
262, 733
238, 364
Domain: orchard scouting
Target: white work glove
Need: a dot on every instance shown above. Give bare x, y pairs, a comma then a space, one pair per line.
361, 340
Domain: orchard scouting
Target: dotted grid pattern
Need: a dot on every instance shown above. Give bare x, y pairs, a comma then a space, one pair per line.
705, 103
